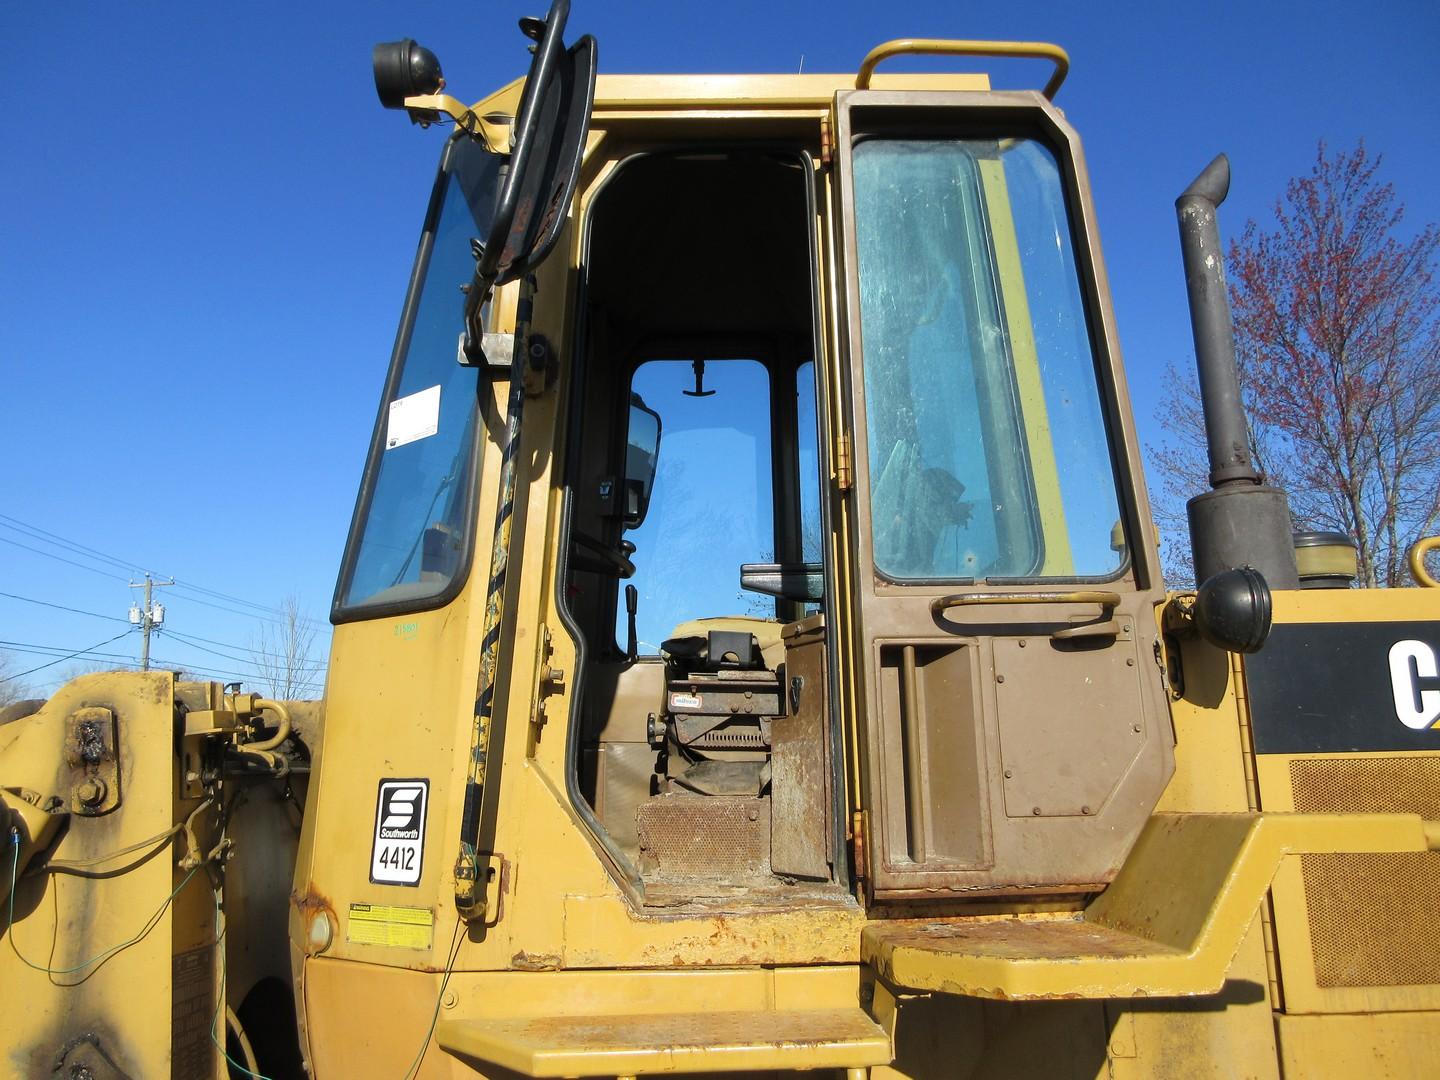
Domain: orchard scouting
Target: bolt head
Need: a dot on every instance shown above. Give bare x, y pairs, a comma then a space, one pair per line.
92, 791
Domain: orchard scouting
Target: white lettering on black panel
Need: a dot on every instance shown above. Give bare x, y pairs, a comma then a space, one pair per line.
399, 847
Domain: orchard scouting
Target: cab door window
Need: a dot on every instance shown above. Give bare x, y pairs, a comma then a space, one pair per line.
988, 456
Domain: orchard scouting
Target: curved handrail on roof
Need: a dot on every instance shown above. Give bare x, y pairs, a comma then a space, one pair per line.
1417, 561
1031, 50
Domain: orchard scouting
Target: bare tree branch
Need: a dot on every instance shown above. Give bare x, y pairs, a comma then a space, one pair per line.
281, 654
1337, 336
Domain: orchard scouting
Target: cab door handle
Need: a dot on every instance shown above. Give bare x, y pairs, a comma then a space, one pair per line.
942, 604
1108, 628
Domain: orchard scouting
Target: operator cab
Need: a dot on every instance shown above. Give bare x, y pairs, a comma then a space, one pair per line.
695, 565
1005, 724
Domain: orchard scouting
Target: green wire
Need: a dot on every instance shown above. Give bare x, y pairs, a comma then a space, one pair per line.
100, 957
219, 940
149, 925
215, 1019
439, 996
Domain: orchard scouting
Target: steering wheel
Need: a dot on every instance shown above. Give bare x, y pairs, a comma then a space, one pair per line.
597, 557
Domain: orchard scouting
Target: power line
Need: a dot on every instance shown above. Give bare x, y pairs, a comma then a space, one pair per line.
78, 548
117, 660
34, 532
243, 614
57, 558
62, 659
189, 639
227, 673
53, 650
273, 614
94, 656
254, 653
62, 607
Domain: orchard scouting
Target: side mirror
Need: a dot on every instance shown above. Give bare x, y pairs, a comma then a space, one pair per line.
547, 144
1232, 610
549, 141
642, 456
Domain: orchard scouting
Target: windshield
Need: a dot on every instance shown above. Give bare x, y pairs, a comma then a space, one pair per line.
712, 508
410, 540
988, 454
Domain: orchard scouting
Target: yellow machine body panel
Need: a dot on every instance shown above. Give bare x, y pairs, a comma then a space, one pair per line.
949, 785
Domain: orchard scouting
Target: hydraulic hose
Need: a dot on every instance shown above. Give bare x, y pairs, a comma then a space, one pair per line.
283, 733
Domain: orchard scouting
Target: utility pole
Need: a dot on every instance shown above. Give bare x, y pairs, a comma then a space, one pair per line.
148, 616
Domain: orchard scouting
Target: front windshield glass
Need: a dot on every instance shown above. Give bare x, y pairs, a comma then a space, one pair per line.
410, 539
988, 454
713, 506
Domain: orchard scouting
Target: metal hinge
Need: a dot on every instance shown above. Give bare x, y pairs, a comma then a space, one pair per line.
827, 142
857, 844
548, 681
844, 474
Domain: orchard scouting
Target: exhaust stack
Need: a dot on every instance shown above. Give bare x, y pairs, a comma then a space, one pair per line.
1241, 522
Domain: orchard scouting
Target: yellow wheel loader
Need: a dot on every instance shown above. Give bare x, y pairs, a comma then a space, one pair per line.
751, 655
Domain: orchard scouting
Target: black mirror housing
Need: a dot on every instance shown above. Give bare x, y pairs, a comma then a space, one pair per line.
404, 69
642, 455
1233, 609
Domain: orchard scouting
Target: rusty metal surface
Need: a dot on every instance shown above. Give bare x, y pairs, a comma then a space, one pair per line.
801, 821
702, 1041
92, 755
1169, 925
696, 836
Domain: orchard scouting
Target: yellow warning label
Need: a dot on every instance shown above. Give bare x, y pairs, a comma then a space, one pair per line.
382, 924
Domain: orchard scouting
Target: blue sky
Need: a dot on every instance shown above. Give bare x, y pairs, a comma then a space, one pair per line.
207, 222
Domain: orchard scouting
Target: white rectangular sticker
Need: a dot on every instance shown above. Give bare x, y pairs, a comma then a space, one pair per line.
399, 847
415, 416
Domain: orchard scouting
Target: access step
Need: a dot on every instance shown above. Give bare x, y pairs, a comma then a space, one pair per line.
563, 1046
1169, 925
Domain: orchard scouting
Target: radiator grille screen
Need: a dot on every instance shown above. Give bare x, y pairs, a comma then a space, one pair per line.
1371, 916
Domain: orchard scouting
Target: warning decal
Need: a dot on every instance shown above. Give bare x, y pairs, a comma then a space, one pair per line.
383, 924
399, 845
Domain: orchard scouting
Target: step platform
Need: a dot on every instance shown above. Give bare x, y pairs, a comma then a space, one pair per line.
743, 1040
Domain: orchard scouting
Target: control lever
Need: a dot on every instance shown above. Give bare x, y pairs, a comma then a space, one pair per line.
632, 604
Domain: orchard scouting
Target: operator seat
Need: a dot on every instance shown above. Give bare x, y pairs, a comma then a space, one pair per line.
690, 641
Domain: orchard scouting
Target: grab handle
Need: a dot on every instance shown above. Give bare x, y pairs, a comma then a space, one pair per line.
1029, 50
945, 603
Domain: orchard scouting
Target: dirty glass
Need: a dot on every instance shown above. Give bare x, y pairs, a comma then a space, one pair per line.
413, 533
712, 506
988, 452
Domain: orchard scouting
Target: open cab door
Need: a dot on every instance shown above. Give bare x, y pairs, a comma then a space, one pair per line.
1013, 735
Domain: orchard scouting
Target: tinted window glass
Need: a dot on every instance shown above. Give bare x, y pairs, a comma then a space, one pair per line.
414, 533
